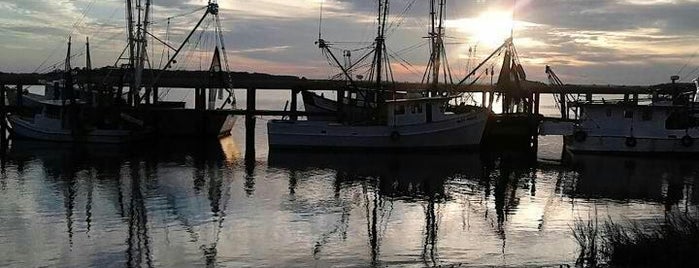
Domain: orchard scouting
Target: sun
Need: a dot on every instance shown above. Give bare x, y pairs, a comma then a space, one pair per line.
493, 27
489, 28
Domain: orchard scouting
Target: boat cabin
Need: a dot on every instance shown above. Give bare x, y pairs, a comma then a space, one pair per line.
620, 119
416, 111
55, 114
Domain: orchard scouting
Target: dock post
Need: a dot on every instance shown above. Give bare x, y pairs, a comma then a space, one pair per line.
537, 99
483, 94
635, 98
340, 104
155, 95
294, 105
250, 126
199, 102
3, 120
564, 106
626, 97
588, 97
146, 96
19, 95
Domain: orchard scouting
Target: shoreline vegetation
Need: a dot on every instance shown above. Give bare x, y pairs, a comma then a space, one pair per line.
670, 242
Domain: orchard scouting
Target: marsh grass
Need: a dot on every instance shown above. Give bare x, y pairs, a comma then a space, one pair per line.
672, 242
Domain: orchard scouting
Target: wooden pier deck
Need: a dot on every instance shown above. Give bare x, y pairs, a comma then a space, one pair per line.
200, 79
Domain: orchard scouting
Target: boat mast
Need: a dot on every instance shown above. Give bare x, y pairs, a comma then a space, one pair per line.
437, 50
142, 42
67, 76
380, 41
437, 38
88, 65
130, 33
88, 59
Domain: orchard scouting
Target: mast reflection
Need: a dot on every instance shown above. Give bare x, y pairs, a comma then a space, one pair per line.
131, 176
385, 178
663, 180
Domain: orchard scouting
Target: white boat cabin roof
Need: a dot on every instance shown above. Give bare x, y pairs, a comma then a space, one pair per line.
59, 102
423, 99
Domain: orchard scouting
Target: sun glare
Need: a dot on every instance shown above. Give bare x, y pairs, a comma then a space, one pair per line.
490, 28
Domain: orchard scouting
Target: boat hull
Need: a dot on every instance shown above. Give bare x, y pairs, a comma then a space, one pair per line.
181, 122
25, 129
463, 131
622, 145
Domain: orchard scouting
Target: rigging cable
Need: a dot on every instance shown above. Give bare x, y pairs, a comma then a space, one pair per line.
400, 19
687, 63
75, 24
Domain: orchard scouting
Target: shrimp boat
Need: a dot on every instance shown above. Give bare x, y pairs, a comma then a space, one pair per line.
369, 119
126, 96
64, 122
172, 118
668, 124
60, 116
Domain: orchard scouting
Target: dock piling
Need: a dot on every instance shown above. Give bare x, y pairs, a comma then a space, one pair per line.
250, 125
155, 95
199, 99
3, 120
20, 88
294, 104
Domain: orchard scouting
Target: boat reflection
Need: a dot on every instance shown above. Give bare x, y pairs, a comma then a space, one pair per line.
398, 176
661, 180
132, 177
431, 180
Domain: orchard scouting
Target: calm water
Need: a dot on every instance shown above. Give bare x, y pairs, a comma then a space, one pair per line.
178, 203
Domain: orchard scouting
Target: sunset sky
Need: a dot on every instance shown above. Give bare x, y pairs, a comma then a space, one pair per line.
585, 41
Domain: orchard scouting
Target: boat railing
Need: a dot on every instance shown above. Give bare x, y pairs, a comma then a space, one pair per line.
609, 102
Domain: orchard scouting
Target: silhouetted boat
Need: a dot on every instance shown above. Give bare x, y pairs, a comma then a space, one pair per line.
59, 115
377, 118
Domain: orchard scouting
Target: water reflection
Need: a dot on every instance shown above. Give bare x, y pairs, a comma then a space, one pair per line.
669, 181
132, 175
416, 178
177, 203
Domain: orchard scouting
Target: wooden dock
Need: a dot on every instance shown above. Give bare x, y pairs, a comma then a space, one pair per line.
200, 79
255, 83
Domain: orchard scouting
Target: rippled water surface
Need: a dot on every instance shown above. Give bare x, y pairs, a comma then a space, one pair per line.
179, 203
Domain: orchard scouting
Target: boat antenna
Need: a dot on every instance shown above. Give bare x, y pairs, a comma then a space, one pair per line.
512, 27
320, 22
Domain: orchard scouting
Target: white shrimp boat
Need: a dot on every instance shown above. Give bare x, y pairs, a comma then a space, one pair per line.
376, 118
411, 124
627, 127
